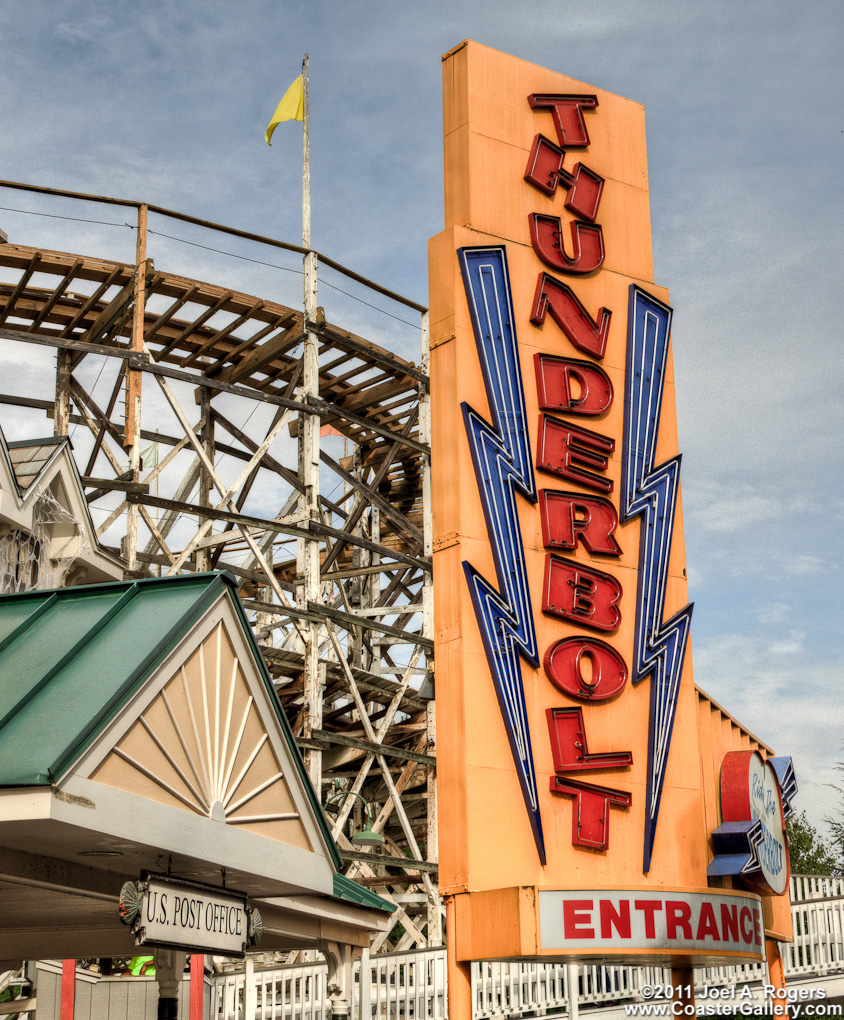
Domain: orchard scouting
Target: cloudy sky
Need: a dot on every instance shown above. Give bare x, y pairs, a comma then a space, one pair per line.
167, 102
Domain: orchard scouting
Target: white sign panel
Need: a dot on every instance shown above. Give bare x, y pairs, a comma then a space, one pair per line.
766, 805
621, 920
191, 917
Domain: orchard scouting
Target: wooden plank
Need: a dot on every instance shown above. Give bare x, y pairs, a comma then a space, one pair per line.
115, 484
232, 326
91, 301
348, 341
378, 881
162, 320
367, 745
408, 863
7, 310
58, 292
110, 314
396, 516
264, 354
19, 1006
326, 409
42, 340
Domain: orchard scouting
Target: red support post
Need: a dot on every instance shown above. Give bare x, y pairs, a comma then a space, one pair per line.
197, 986
68, 989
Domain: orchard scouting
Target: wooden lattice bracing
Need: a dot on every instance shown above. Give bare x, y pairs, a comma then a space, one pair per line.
328, 538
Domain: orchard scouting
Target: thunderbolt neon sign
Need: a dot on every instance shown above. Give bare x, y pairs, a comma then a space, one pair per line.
574, 590
651, 492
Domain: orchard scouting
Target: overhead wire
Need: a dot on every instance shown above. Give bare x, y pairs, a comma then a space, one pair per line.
218, 251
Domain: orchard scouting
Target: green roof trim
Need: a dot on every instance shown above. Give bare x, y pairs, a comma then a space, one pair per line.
351, 892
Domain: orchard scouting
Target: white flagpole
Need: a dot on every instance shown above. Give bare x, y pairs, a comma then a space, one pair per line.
307, 551
306, 162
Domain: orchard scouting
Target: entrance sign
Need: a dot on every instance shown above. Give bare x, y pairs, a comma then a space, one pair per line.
174, 913
637, 921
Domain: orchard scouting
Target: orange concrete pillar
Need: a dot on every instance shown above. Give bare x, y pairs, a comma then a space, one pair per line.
683, 980
776, 974
459, 974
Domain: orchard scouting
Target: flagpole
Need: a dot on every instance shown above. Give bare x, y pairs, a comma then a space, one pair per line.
307, 549
306, 161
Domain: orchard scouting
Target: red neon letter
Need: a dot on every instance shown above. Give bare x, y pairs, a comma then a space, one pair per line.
729, 923
587, 596
677, 915
649, 908
567, 112
587, 334
590, 814
575, 916
707, 925
591, 393
569, 748
564, 662
587, 244
545, 171
568, 518
568, 450
746, 919
620, 920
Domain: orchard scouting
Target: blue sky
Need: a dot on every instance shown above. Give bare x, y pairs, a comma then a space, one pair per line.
167, 102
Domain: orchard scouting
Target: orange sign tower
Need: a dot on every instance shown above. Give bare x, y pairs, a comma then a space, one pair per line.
578, 764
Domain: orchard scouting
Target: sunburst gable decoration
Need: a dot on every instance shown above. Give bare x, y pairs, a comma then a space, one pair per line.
201, 745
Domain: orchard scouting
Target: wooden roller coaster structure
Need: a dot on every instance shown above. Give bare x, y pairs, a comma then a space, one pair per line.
338, 589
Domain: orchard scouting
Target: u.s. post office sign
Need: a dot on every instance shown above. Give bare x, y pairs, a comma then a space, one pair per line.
175, 913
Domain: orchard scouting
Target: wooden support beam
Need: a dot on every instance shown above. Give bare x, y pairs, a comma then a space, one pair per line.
9, 307
376, 748
263, 355
109, 409
384, 505
408, 863
61, 408
112, 312
58, 291
369, 351
143, 362
350, 620
89, 303
204, 348
119, 484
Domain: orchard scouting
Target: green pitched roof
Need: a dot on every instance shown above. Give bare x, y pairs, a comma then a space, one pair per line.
70, 658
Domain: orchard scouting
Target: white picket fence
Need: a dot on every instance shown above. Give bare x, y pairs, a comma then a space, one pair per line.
412, 985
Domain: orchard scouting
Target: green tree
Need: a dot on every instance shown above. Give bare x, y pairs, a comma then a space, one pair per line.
810, 854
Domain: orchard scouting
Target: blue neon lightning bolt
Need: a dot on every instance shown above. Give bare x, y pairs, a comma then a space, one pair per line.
660, 645
502, 459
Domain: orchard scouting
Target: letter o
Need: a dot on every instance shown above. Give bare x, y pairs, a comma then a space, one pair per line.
564, 668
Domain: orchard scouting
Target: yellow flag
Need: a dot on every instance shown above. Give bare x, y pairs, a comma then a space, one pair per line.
291, 107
